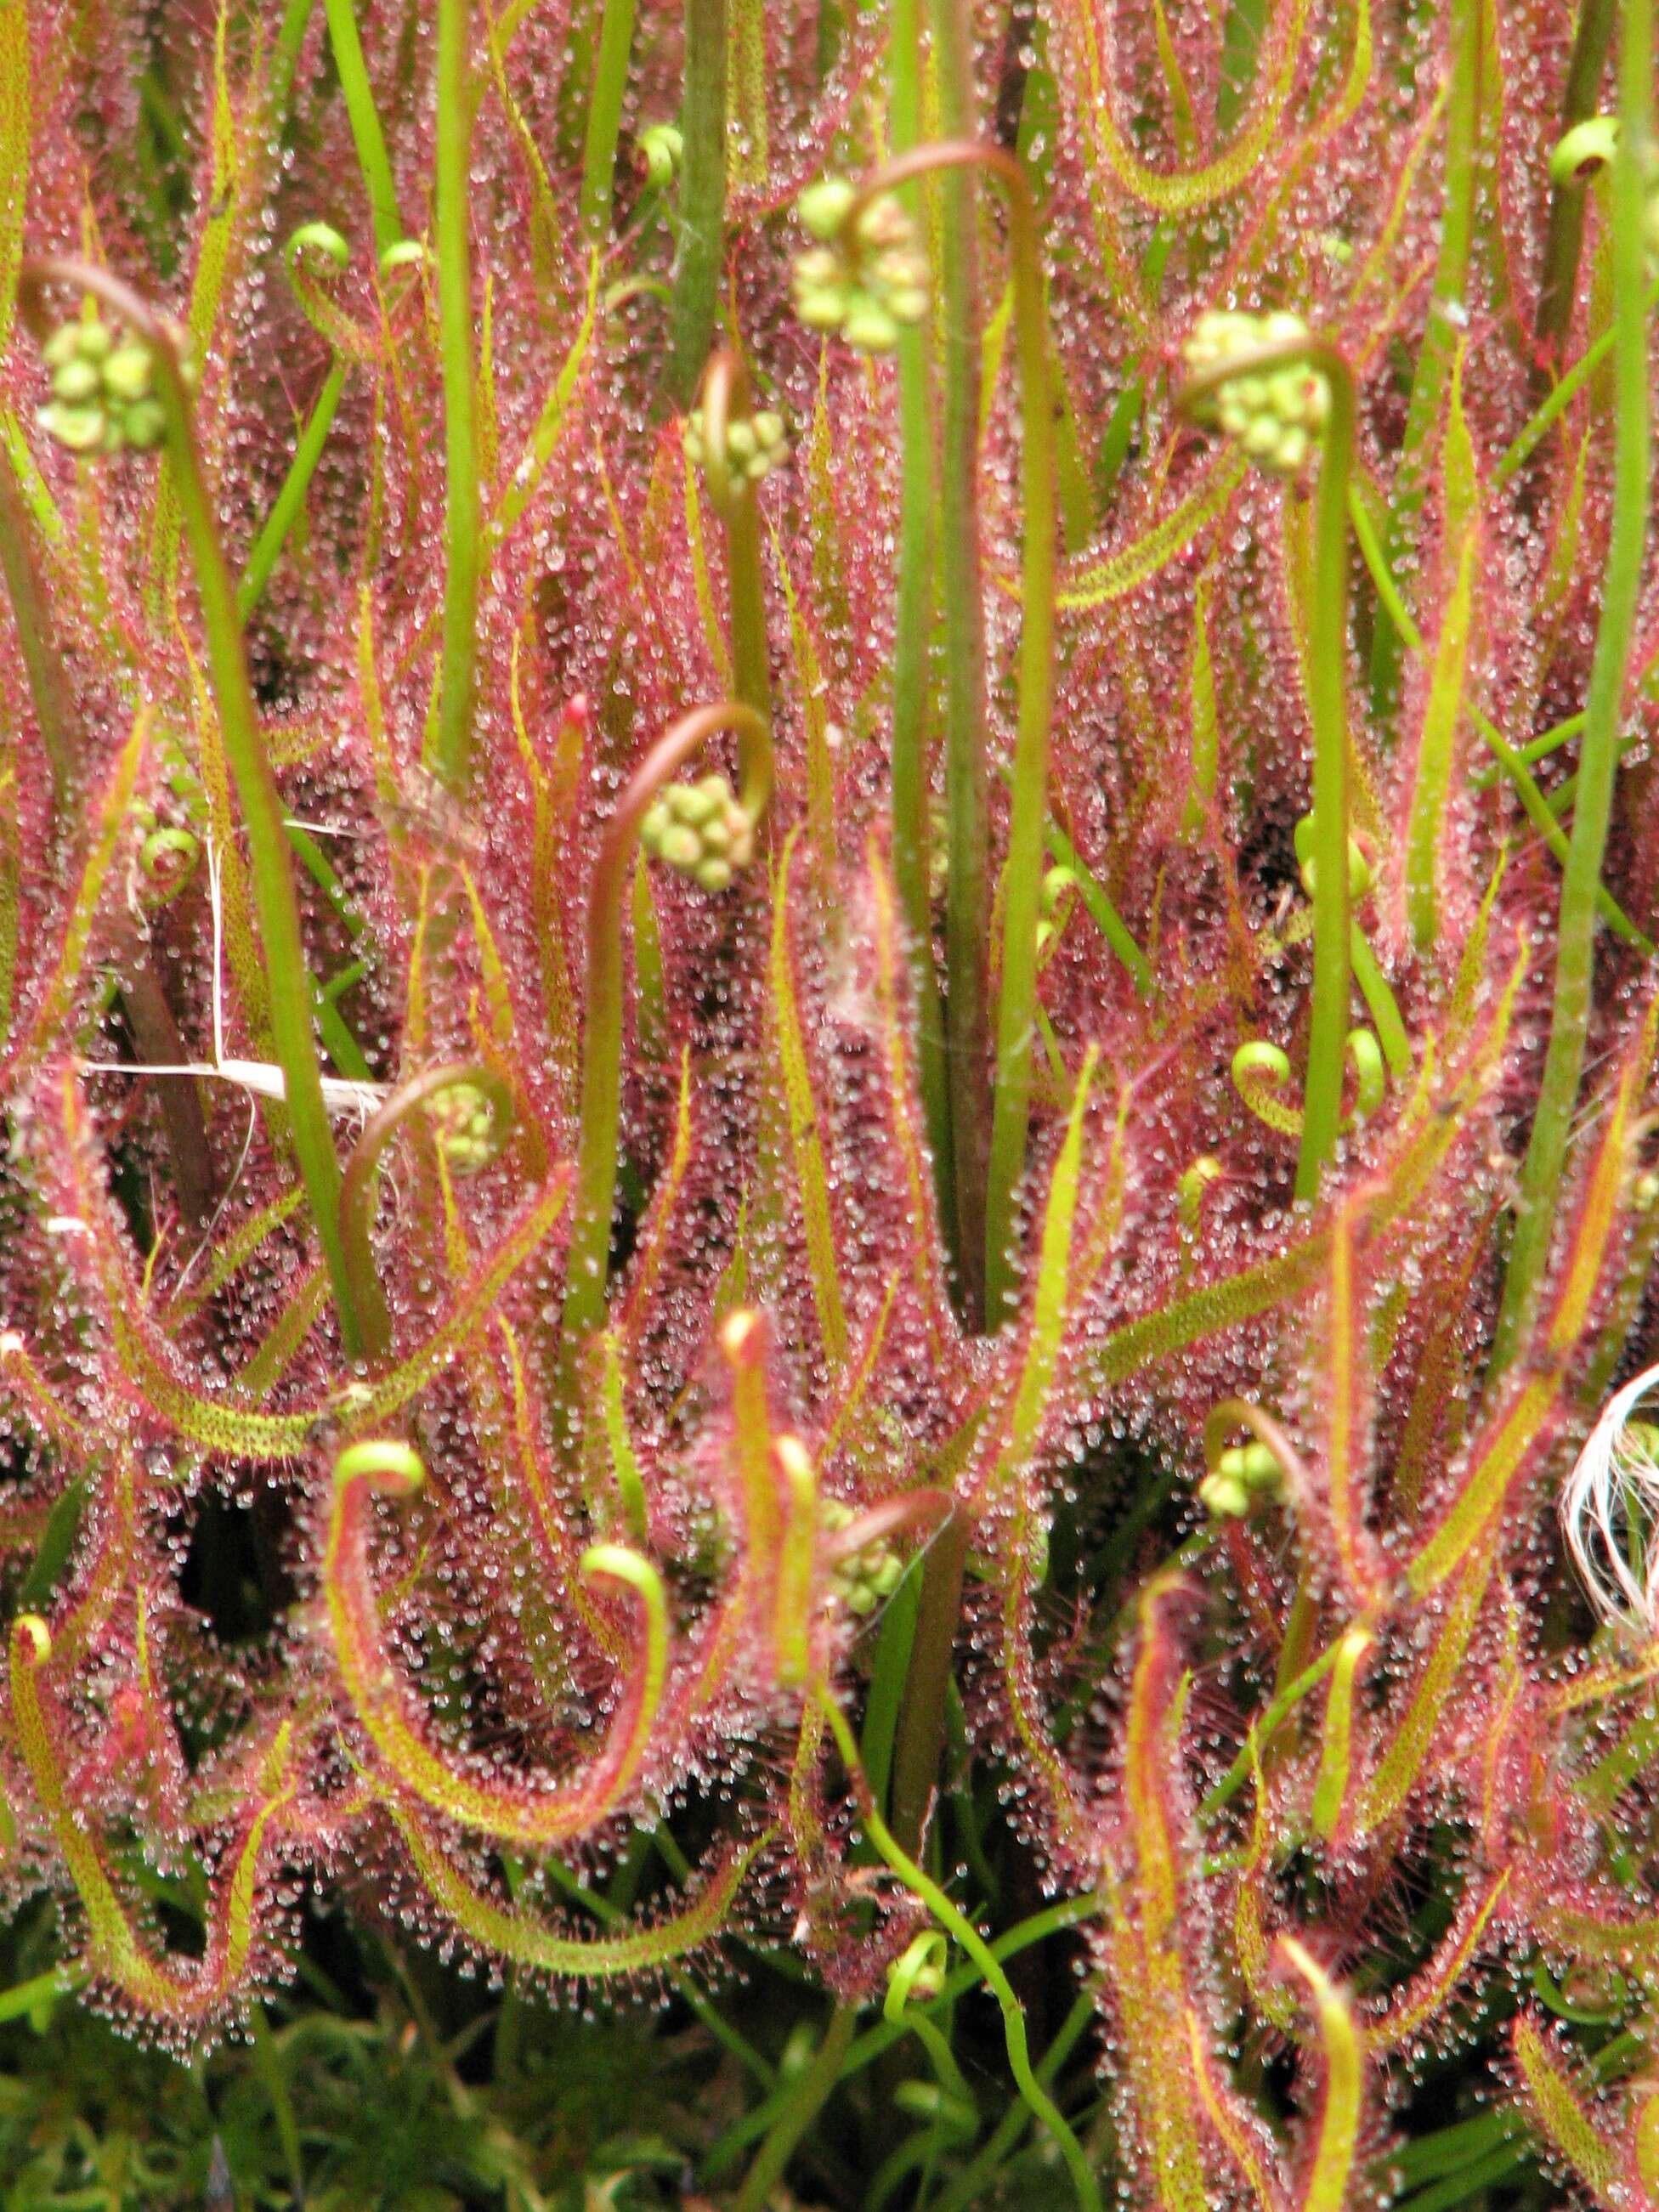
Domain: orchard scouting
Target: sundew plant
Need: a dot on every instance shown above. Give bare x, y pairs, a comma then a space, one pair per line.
829, 871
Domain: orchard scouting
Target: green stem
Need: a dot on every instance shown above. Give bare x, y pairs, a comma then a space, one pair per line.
968, 878
1053, 1920
604, 117
1564, 238
1537, 809
988, 1254
805, 2099
1552, 1128
601, 1087
1383, 1006
1538, 748
358, 1185
291, 498
361, 111
290, 36
452, 751
970, 2185
951, 1917
1327, 648
725, 400
1562, 397
913, 618
702, 197
921, 1714
1440, 331
276, 906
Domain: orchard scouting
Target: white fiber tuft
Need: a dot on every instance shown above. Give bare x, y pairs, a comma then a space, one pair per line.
1610, 1512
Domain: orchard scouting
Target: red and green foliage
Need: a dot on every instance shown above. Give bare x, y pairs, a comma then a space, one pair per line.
990, 1302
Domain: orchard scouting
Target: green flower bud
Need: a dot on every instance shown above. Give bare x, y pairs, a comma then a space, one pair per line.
884, 224
870, 328
64, 345
1224, 1497
695, 803
886, 1574
1259, 1467
1279, 327
822, 206
79, 428
144, 425
820, 307
712, 874
76, 382
680, 846
1290, 393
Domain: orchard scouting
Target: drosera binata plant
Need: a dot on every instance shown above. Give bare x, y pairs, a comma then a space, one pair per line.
933, 1291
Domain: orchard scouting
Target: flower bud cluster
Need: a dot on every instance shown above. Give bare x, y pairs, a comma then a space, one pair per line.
701, 828
868, 278
103, 390
1247, 1478
466, 1126
869, 1577
1276, 415
755, 444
